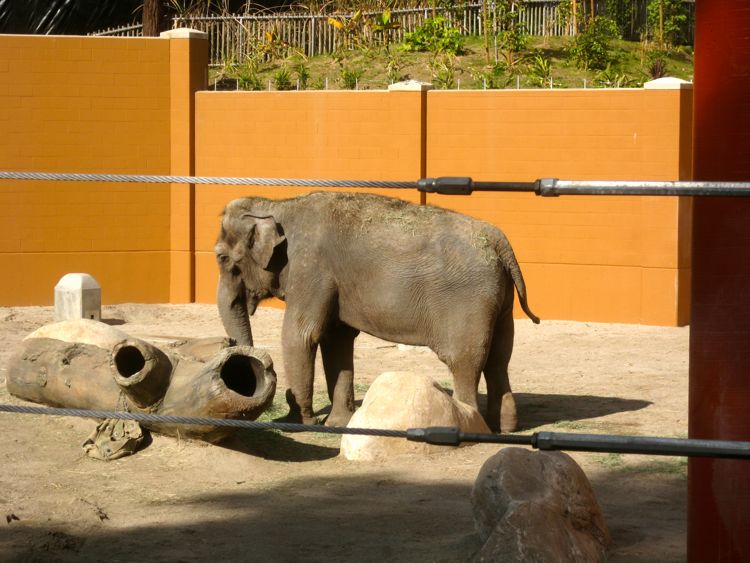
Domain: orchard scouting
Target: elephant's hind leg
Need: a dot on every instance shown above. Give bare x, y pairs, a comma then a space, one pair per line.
337, 349
501, 406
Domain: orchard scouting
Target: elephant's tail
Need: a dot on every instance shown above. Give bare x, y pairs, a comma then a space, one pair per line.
508, 258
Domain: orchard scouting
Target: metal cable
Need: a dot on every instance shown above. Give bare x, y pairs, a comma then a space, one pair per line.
172, 419
447, 436
447, 185
149, 179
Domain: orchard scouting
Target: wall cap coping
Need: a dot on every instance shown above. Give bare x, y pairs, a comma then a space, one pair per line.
668, 83
183, 33
410, 86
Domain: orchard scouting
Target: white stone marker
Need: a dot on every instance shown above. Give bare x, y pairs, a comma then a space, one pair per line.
78, 296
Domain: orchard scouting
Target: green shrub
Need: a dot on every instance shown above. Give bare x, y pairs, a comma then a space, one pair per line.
282, 79
591, 48
514, 34
540, 71
443, 71
248, 79
434, 35
667, 21
303, 76
349, 77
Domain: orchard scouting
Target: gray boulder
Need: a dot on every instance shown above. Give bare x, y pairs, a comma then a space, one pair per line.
537, 507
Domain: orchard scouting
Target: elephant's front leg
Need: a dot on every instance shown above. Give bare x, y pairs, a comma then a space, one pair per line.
299, 348
337, 349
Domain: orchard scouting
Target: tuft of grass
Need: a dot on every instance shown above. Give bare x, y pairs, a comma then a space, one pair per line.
612, 461
571, 425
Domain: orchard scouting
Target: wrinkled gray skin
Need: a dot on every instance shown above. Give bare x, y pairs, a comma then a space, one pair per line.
350, 262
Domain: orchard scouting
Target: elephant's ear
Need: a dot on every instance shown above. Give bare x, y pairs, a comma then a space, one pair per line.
264, 238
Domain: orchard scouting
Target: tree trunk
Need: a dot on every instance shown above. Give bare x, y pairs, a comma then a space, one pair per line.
153, 18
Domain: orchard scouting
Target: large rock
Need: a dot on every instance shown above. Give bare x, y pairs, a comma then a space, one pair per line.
401, 400
537, 506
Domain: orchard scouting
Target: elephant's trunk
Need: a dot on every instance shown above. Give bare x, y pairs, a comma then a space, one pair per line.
235, 312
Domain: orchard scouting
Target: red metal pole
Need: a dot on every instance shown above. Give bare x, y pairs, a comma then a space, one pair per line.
719, 404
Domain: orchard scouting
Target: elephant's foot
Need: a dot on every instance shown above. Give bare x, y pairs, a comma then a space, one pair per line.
297, 418
297, 414
338, 419
508, 414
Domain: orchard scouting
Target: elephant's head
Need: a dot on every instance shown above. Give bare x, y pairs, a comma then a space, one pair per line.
249, 263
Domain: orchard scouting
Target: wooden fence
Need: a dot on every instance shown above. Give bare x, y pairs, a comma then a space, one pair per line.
235, 38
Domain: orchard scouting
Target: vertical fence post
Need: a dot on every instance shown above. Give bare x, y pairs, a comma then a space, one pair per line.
719, 490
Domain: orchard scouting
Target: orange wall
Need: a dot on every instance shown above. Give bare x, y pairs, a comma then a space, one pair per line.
130, 105
595, 258
73, 104
333, 135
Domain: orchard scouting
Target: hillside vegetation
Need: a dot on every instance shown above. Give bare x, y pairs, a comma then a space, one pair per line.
437, 53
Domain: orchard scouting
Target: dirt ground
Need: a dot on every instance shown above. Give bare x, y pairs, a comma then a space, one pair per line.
266, 496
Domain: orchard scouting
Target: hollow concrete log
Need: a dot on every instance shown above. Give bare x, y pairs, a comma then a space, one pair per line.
91, 366
238, 383
141, 371
63, 374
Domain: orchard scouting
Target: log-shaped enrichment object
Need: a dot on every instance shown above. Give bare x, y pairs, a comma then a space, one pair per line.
82, 365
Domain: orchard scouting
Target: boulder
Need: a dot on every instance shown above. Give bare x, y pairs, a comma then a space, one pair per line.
401, 400
82, 331
537, 506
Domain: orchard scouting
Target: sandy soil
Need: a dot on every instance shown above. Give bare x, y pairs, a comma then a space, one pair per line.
266, 496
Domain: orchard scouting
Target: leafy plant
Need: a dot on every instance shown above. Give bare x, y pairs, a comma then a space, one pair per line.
657, 68
493, 77
248, 79
393, 66
273, 47
319, 83
383, 24
351, 27
513, 36
435, 35
303, 75
443, 70
591, 47
540, 71
282, 79
623, 14
349, 77
611, 77
565, 15
667, 21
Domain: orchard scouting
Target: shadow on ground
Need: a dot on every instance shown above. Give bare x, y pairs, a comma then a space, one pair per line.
331, 518
366, 517
536, 410
277, 446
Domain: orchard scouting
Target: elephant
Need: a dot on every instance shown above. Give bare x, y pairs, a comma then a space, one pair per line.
350, 262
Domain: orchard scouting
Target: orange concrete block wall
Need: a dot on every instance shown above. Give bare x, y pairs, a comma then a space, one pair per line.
111, 105
74, 104
593, 258
332, 135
